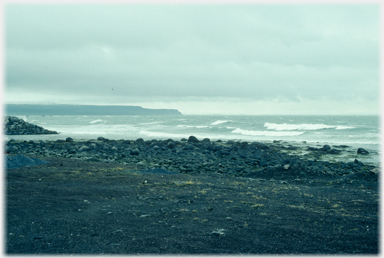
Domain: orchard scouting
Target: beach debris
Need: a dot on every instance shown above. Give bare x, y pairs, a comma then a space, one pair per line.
218, 232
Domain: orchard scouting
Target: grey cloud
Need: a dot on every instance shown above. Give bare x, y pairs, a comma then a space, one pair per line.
179, 51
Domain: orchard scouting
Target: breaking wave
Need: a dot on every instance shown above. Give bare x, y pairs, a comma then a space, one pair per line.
221, 122
96, 121
303, 127
192, 126
265, 133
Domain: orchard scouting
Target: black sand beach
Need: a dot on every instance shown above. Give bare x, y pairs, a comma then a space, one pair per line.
71, 206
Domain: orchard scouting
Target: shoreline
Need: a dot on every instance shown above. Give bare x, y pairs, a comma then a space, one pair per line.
193, 156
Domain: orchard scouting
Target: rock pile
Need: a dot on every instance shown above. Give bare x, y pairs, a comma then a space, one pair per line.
17, 126
191, 156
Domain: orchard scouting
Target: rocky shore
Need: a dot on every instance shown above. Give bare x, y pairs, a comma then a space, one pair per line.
16, 126
193, 156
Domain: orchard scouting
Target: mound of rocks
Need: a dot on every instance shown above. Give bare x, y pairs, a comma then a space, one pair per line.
16, 126
252, 159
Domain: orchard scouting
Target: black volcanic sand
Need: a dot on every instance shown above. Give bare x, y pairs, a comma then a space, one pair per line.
77, 207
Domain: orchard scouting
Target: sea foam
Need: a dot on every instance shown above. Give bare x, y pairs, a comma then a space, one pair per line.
303, 127
192, 126
220, 122
265, 133
96, 121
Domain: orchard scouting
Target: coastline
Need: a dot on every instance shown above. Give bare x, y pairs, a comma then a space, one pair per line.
229, 157
193, 196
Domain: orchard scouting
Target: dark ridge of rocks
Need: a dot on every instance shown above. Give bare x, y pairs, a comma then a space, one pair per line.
196, 157
16, 126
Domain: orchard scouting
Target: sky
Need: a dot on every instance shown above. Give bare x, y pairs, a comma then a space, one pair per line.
218, 58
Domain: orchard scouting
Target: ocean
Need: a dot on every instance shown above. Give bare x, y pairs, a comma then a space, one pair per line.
301, 131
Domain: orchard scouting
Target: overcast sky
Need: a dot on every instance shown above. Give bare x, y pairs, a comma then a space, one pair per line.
206, 59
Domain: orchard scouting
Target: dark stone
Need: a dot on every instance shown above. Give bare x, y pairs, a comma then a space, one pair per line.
362, 151
333, 151
192, 139
325, 148
206, 141
358, 162
69, 139
140, 141
135, 151
171, 145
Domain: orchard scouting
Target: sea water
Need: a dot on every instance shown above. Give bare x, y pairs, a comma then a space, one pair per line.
315, 131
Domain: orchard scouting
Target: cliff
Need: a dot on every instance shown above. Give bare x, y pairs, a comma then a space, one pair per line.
28, 109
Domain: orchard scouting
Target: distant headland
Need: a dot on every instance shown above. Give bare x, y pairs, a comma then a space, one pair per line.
63, 109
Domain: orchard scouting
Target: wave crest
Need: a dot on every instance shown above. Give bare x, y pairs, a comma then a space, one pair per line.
265, 133
96, 121
221, 122
303, 127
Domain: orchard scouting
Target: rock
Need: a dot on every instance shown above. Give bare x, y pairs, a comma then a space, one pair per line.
362, 151
341, 146
69, 139
171, 145
84, 148
286, 167
139, 141
206, 140
17, 126
358, 162
333, 151
140, 164
192, 139
135, 151
375, 171
325, 148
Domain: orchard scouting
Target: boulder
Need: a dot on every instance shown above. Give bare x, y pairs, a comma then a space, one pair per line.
333, 151
192, 139
325, 148
135, 151
362, 151
84, 148
206, 140
69, 139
